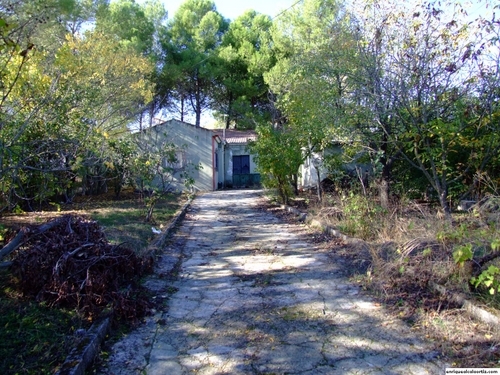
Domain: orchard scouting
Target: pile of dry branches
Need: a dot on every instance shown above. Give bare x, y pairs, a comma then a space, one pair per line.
69, 263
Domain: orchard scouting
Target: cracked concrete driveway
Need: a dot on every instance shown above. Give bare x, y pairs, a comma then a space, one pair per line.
252, 295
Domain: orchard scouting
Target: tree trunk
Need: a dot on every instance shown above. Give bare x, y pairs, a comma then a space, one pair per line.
198, 117
229, 110
182, 108
295, 182
282, 191
384, 185
443, 200
318, 176
198, 102
384, 193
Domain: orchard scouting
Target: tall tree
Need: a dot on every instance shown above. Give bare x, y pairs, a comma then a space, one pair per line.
140, 26
245, 54
127, 20
189, 49
63, 103
421, 72
21, 45
80, 14
315, 50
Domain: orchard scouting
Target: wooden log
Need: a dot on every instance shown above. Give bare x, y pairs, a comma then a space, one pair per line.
18, 240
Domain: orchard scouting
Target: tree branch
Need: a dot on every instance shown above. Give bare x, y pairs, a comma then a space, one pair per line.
18, 240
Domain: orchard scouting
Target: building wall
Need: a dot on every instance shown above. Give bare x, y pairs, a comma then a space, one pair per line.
308, 174
221, 162
235, 150
198, 145
204, 148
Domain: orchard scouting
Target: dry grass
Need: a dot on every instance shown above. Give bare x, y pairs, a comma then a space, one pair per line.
123, 219
408, 248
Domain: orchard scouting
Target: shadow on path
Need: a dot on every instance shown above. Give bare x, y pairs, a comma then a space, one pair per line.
254, 296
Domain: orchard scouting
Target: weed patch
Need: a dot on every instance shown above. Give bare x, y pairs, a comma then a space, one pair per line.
408, 248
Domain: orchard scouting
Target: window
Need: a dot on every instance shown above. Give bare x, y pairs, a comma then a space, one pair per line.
241, 164
179, 163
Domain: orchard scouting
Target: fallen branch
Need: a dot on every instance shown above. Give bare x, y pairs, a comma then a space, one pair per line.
73, 265
478, 263
475, 311
17, 241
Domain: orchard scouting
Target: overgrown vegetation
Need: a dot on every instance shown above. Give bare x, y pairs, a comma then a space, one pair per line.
37, 332
392, 109
408, 251
408, 90
406, 95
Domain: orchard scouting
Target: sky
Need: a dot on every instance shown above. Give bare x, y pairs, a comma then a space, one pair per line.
232, 9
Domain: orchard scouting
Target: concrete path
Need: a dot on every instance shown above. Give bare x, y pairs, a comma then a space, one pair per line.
253, 296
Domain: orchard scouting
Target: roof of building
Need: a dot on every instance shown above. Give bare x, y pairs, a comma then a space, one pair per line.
236, 136
231, 136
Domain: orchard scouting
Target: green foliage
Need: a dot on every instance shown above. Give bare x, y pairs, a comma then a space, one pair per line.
3, 230
315, 50
427, 252
489, 279
463, 253
495, 244
334, 164
278, 157
359, 213
33, 339
454, 234
187, 76
240, 97
409, 84
132, 23
120, 162
469, 244
64, 105
124, 222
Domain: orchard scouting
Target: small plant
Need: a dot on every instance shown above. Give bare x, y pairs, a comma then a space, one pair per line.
359, 213
489, 278
3, 230
427, 252
56, 205
495, 244
455, 235
402, 269
463, 253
